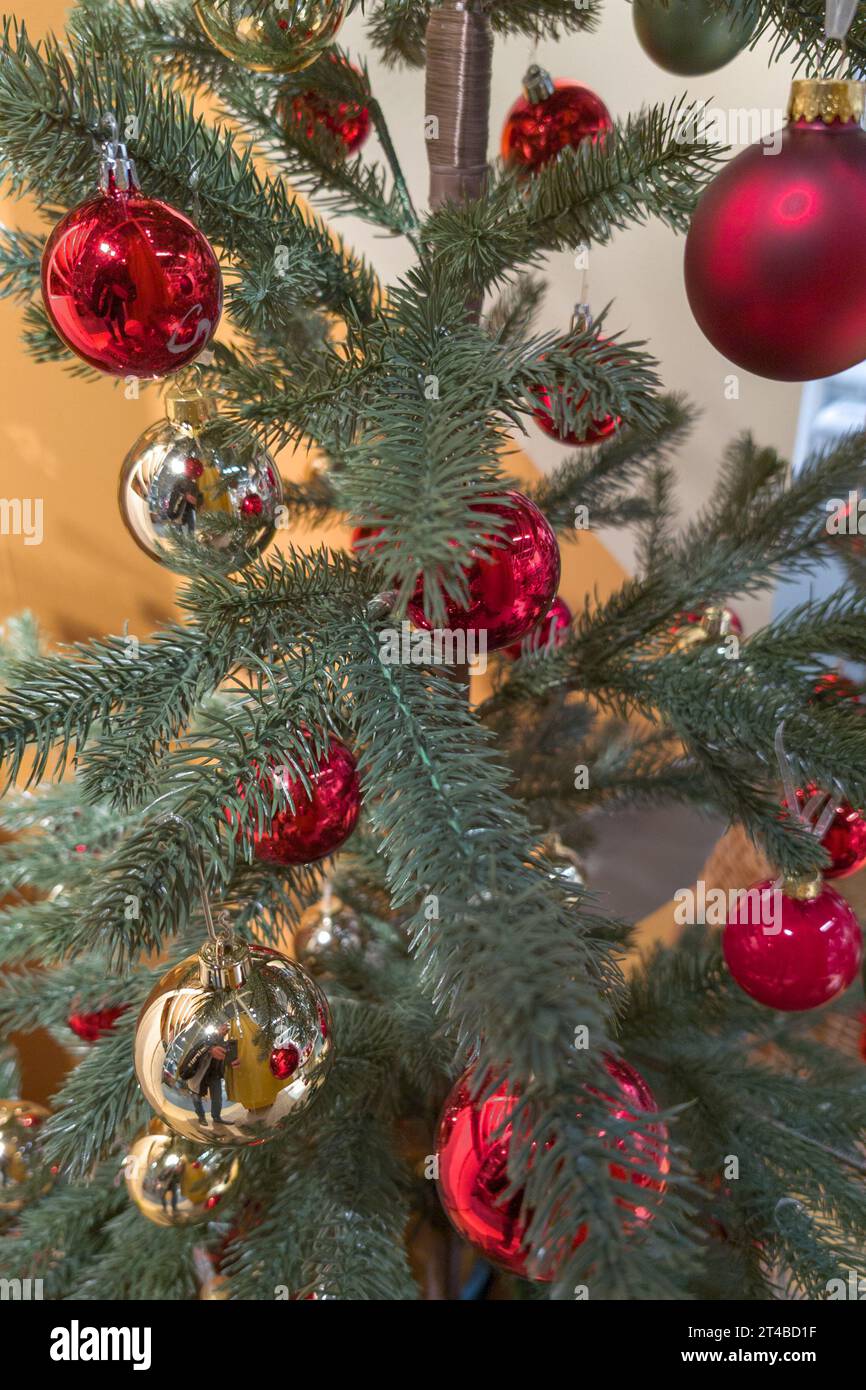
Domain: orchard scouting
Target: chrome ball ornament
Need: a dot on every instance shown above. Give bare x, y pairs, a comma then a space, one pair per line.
233, 1044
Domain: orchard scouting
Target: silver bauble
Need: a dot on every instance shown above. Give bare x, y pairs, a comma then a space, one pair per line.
174, 1182
183, 493
232, 1044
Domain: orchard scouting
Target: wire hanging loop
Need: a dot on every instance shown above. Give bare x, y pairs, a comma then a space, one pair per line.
222, 937
815, 816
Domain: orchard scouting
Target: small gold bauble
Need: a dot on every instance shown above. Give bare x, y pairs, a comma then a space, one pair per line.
229, 1050
711, 624
20, 1123
174, 1182
271, 35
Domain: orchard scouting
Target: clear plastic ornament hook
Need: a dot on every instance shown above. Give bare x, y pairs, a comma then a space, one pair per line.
816, 815
838, 18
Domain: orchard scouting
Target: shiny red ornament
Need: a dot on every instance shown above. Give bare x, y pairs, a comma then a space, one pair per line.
792, 953
833, 689
512, 589
284, 1061
472, 1147
361, 535
592, 433
91, 1026
130, 284
774, 264
549, 634
320, 822
551, 115
845, 839
347, 121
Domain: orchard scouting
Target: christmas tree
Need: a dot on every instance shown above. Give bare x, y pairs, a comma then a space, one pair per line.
315, 918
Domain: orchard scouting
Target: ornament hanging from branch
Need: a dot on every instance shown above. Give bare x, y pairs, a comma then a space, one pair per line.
775, 267
184, 492
690, 37
271, 35
130, 284
553, 114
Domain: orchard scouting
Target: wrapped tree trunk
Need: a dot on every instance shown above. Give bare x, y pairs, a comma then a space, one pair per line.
459, 51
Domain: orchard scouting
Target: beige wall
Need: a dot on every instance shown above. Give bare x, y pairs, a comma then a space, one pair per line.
64, 440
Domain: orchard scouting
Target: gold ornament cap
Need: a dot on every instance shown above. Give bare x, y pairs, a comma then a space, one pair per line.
189, 405
538, 84
223, 963
826, 99
803, 887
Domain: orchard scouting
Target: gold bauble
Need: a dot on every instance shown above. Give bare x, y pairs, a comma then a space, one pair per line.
20, 1158
232, 1044
712, 624
271, 35
174, 1182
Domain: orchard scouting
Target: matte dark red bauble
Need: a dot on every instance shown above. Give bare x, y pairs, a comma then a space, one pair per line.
131, 285
512, 589
535, 131
845, 838
792, 953
549, 634
320, 822
473, 1144
775, 266
90, 1026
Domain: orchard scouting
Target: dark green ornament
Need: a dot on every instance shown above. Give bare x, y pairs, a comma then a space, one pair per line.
690, 37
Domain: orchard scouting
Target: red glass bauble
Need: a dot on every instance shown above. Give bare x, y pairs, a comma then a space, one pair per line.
845, 840
792, 953
833, 689
320, 822
535, 131
592, 432
346, 121
284, 1061
472, 1147
549, 634
361, 537
93, 1025
510, 591
131, 285
774, 265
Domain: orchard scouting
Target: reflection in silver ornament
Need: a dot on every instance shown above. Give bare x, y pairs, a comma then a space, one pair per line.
233, 1043
174, 1182
185, 494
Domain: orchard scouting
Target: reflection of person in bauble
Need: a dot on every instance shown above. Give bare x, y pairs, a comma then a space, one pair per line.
113, 295
216, 1054
184, 501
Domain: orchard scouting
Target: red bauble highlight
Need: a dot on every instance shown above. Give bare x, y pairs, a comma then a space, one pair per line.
131, 285
774, 263
473, 1166
845, 839
813, 956
320, 822
550, 633
510, 591
91, 1026
535, 131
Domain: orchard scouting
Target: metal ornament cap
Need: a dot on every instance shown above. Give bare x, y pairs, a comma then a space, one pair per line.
538, 84
826, 99
223, 963
235, 1065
